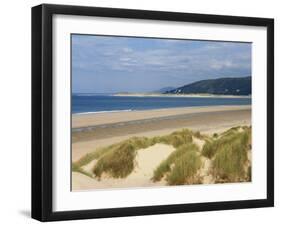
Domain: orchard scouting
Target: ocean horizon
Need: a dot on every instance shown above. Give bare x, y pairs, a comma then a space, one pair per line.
87, 103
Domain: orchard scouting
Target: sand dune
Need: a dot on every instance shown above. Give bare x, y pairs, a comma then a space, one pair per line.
121, 126
146, 161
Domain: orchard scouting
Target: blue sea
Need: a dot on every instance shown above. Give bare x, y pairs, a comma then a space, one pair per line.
94, 103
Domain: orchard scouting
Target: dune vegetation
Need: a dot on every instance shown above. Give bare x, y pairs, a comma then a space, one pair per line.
181, 165
231, 159
118, 162
228, 153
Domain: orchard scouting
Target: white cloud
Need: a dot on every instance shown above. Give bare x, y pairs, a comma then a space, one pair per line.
169, 56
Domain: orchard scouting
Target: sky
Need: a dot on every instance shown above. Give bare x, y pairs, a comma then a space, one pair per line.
110, 64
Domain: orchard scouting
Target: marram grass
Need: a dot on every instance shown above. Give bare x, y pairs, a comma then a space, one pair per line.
227, 151
213, 145
119, 161
170, 163
107, 164
231, 157
185, 169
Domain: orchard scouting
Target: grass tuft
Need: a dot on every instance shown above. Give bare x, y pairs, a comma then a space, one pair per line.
118, 162
177, 138
231, 157
213, 145
93, 155
185, 169
209, 148
137, 142
166, 165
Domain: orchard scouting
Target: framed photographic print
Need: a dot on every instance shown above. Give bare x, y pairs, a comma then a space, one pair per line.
145, 112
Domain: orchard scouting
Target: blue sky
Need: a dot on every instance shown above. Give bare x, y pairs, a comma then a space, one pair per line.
107, 64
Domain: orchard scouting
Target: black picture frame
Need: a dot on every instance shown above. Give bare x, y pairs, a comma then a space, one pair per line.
42, 197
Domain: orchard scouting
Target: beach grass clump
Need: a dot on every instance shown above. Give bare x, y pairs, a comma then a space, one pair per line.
214, 144
229, 163
168, 164
136, 142
139, 142
176, 139
229, 154
165, 166
185, 169
87, 158
161, 170
209, 148
118, 160
117, 163
231, 157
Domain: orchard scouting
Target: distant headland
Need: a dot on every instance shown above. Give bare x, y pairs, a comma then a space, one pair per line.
221, 87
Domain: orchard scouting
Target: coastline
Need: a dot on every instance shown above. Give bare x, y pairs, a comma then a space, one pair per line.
94, 119
178, 95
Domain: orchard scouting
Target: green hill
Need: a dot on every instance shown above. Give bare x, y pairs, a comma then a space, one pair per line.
221, 86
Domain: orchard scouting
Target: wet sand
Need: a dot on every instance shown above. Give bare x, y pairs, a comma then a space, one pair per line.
93, 119
96, 130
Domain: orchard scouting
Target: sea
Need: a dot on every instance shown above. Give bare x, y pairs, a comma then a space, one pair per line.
100, 103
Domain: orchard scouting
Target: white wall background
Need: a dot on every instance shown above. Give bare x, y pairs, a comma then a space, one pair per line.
15, 119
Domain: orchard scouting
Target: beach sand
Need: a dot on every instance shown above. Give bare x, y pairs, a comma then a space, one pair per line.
93, 131
100, 130
146, 160
93, 119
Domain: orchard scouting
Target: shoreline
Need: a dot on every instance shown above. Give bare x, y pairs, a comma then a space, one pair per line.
179, 95
114, 127
94, 119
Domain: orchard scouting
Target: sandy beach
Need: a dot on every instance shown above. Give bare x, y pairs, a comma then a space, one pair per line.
92, 119
98, 130
92, 131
